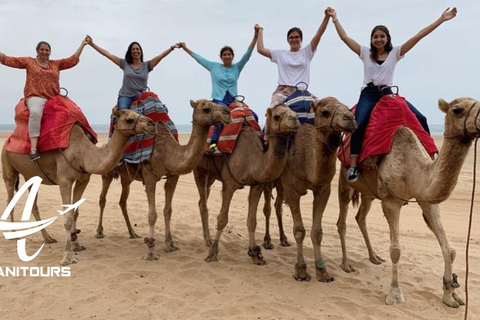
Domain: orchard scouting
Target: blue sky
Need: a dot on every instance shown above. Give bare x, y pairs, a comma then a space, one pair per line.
443, 65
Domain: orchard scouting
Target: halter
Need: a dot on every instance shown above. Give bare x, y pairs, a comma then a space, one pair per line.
331, 120
134, 125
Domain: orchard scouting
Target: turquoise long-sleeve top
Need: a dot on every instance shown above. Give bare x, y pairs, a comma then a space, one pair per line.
223, 78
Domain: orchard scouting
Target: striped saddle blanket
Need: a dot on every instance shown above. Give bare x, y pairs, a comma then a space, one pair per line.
59, 116
300, 101
139, 147
241, 115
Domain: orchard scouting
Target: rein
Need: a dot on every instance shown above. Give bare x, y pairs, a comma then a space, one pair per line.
465, 130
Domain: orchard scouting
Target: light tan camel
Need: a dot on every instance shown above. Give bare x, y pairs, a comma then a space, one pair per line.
408, 172
311, 166
248, 164
168, 159
74, 164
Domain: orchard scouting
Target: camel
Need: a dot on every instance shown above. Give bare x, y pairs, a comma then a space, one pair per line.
168, 159
311, 166
72, 165
408, 172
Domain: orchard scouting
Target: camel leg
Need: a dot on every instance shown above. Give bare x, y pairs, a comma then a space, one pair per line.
320, 199
254, 251
267, 211
361, 219
279, 212
102, 201
391, 209
65, 185
344, 196
10, 178
126, 182
301, 273
203, 187
222, 220
150, 187
80, 186
170, 186
431, 214
36, 213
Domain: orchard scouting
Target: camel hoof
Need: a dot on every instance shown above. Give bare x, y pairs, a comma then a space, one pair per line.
452, 300
323, 276
211, 258
79, 248
346, 267
208, 242
151, 256
395, 296
171, 247
100, 235
301, 273
50, 240
134, 236
256, 255
376, 259
267, 243
284, 242
68, 259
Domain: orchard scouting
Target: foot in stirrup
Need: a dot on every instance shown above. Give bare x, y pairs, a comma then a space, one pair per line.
34, 155
214, 150
352, 174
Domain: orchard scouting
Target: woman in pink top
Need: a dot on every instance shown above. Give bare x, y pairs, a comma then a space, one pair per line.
42, 84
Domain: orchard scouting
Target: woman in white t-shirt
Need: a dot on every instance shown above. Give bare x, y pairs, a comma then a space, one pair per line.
293, 64
379, 63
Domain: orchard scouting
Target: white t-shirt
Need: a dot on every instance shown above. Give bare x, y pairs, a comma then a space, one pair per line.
293, 67
379, 74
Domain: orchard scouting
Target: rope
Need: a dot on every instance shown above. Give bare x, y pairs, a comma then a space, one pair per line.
43, 173
470, 228
71, 165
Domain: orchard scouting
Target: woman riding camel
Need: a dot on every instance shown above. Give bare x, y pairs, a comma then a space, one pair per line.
293, 64
135, 70
225, 77
41, 85
379, 63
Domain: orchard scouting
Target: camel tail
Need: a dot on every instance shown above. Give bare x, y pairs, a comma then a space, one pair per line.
17, 183
355, 198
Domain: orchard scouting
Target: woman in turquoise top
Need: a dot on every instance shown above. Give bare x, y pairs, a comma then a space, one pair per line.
224, 77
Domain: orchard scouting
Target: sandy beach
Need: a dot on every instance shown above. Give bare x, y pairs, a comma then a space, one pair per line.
112, 281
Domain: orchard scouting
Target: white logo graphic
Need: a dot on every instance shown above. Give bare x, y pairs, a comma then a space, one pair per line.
24, 229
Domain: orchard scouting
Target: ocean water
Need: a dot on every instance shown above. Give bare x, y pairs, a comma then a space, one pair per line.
435, 129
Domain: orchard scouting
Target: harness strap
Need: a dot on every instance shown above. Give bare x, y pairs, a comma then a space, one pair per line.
70, 163
43, 172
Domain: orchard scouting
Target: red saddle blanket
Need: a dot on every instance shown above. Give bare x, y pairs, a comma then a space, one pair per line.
59, 116
139, 147
389, 114
241, 115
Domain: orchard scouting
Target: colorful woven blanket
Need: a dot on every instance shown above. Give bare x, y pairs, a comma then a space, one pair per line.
59, 116
241, 115
388, 115
139, 147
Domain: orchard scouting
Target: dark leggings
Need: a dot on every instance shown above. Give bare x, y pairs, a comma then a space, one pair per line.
368, 99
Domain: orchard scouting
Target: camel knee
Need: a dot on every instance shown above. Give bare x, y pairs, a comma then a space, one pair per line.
152, 218
453, 254
345, 196
221, 222
167, 213
68, 223
395, 255
299, 234
317, 236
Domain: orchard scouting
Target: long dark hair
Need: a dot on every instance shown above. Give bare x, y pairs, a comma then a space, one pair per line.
388, 45
297, 30
128, 55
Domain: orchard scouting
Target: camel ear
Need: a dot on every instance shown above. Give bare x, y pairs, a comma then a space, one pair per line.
443, 105
193, 103
313, 106
268, 114
115, 112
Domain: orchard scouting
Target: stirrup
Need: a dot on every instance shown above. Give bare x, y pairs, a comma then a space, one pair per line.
34, 156
352, 174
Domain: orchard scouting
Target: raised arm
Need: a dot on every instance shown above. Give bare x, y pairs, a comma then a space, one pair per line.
260, 47
201, 60
352, 44
103, 52
184, 47
157, 59
321, 29
1, 56
256, 29
446, 15
80, 49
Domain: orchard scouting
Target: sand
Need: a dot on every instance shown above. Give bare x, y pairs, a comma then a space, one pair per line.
111, 281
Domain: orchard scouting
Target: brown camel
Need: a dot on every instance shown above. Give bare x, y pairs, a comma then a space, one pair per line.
248, 164
408, 172
311, 166
168, 159
72, 165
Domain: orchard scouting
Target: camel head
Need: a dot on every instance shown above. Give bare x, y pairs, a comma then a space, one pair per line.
462, 118
128, 122
207, 113
282, 119
333, 115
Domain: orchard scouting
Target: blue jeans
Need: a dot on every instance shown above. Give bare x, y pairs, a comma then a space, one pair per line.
368, 99
124, 102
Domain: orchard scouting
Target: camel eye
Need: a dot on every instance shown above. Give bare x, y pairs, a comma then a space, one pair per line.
325, 113
457, 110
129, 120
276, 118
206, 109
